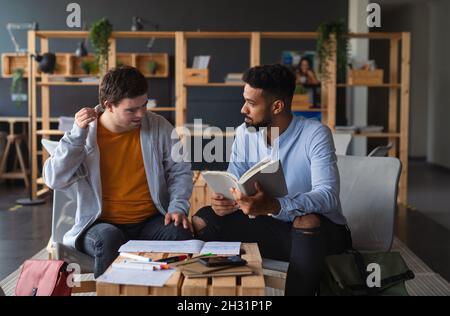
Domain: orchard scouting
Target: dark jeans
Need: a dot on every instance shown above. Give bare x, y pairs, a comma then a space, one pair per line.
102, 240
305, 249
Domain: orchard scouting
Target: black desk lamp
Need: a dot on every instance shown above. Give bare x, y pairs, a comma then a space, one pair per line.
138, 25
47, 63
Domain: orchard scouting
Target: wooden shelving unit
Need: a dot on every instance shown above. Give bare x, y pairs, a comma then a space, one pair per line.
398, 135
398, 105
69, 66
254, 38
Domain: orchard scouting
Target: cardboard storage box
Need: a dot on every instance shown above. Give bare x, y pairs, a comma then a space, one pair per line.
194, 75
301, 101
365, 77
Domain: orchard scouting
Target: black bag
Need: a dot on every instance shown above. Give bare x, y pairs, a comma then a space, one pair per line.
346, 274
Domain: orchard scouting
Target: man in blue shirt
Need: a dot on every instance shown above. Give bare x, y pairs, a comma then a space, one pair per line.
305, 225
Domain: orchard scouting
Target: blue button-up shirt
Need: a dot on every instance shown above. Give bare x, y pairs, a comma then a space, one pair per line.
307, 154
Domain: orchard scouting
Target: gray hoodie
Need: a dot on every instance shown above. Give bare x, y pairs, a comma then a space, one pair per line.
75, 166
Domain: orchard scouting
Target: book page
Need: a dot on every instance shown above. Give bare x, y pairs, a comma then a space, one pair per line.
270, 177
250, 172
221, 248
172, 246
220, 182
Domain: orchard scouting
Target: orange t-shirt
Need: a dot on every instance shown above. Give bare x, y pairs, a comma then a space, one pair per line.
126, 197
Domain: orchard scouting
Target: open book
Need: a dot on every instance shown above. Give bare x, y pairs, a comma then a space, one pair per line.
268, 173
182, 246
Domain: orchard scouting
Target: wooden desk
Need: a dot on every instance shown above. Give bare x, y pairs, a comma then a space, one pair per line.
251, 285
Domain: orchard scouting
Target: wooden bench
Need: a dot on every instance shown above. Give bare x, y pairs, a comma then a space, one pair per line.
249, 285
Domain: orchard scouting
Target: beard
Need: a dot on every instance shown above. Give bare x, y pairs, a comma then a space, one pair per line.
267, 121
257, 126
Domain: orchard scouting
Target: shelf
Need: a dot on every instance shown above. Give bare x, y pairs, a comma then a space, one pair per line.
382, 85
67, 83
171, 35
50, 132
377, 135
293, 109
214, 84
371, 135
289, 35
71, 66
376, 35
85, 34
162, 109
215, 35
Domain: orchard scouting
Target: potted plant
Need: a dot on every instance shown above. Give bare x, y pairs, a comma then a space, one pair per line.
89, 66
99, 37
152, 67
17, 86
339, 31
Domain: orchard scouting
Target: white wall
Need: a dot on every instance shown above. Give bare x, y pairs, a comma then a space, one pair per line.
356, 106
438, 145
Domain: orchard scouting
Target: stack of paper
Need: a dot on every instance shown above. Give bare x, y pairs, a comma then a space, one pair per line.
117, 275
234, 78
201, 61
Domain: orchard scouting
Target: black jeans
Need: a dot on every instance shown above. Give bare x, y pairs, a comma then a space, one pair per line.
102, 240
305, 249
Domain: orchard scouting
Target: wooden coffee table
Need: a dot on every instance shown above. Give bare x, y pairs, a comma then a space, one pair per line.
249, 285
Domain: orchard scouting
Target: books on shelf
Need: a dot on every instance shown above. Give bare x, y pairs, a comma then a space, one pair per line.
268, 173
370, 129
89, 79
234, 78
201, 61
346, 129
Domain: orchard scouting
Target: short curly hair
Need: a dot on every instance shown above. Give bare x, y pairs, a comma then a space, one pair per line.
276, 81
120, 83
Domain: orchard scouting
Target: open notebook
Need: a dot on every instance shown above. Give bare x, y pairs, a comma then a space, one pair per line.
268, 173
182, 246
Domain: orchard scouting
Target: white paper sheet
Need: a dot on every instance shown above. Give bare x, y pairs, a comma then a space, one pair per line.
136, 277
182, 246
221, 248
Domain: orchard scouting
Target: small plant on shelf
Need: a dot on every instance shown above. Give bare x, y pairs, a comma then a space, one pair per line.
99, 37
152, 67
17, 87
89, 66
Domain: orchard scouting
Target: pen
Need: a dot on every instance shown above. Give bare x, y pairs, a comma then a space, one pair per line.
173, 259
135, 265
154, 265
135, 257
